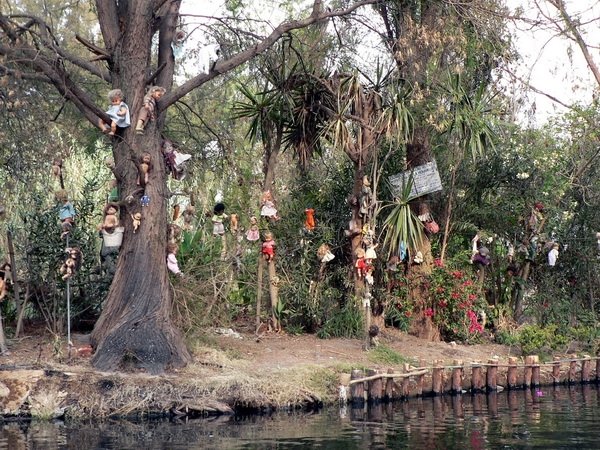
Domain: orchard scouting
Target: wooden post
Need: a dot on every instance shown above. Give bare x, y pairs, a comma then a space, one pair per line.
357, 390
511, 373
457, 376
15, 282
477, 383
535, 371
586, 368
556, 370
375, 387
388, 394
492, 375
572, 371
437, 378
274, 295
405, 382
261, 262
419, 381
598, 368
528, 371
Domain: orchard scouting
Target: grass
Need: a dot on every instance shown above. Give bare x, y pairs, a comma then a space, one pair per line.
385, 355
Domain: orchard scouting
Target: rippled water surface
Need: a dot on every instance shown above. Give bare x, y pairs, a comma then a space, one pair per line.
550, 418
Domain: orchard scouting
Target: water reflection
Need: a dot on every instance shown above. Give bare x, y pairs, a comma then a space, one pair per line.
544, 419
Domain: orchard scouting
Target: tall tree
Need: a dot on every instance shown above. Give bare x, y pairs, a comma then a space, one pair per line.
134, 327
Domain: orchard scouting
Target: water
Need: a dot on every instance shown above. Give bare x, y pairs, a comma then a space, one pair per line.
560, 418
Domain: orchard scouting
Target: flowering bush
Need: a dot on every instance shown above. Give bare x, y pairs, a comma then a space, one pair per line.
399, 309
454, 304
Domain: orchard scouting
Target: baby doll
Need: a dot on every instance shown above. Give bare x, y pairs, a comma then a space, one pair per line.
253, 233
66, 212
148, 110
218, 218
233, 224
136, 220
111, 221
366, 197
324, 253
57, 168
207, 56
553, 255
172, 263
72, 263
118, 112
145, 167
309, 222
188, 216
268, 247
361, 263
5, 277
268, 209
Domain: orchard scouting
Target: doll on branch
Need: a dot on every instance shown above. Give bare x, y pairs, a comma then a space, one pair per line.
268, 247
66, 212
253, 233
118, 112
267, 208
148, 110
172, 263
111, 221
144, 168
72, 263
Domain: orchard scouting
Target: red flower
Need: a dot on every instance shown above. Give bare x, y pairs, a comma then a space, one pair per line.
428, 312
468, 283
440, 290
437, 262
472, 297
457, 274
455, 295
408, 313
442, 303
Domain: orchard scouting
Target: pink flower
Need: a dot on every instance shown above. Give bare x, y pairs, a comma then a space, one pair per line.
442, 303
468, 283
440, 290
472, 297
457, 274
428, 312
455, 295
437, 262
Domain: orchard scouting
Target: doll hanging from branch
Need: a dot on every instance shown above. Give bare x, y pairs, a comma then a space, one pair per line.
253, 233
118, 112
111, 221
172, 263
136, 220
189, 213
268, 247
145, 167
218, 218
72, 263
66, 212
267, 208
147, 112
309, 221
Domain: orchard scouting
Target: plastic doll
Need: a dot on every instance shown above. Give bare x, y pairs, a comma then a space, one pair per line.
370, 254
217, 219
66, 212
253, 233
309, 222
324, 253
177, 43
553, 254
57, 167
118, 112
148, 110
145, 168
145, 200
267, 208
111, 221
136, 220
172, 263
268, 247
482, 257
72, 263
366, 197
174, 160
233, 223
188, 216
207, 56
361, 263
5, 277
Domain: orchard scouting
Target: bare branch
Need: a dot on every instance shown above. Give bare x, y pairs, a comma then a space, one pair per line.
108, 18
225, 66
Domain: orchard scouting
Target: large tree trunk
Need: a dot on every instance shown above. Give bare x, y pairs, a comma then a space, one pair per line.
135, 328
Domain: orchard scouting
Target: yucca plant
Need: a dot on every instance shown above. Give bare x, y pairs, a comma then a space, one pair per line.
402, 225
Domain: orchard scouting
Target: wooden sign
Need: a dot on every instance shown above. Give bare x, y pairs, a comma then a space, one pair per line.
426, 179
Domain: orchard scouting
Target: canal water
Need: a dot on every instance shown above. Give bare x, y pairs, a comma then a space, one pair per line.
548, 418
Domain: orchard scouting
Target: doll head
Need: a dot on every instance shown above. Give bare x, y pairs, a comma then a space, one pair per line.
268, 236
137, 216
267, 196
145, 158
115, 96
111, 209
61, 196
172, 248
156, 92
253, 221
360, 253
219, 209
365, 181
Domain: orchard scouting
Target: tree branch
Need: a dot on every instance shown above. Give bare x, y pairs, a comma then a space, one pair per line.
108, 18
227, 65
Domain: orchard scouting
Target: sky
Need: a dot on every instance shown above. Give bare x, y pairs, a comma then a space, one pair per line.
549, 62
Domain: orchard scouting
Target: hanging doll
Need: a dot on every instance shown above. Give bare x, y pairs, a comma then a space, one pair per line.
57, 167
366, 197
172, 263
144, 168
174, 160
118, 113
136, 220
5, 276
253, 233
360, 264
418, 259
177, 43
218, 218
267, 208
72, 263
188, 216
309, 222
66, 212
268, 247
553, 254
324, 253
145, 200
426, 219
208, 56
233, 223
481, 258
111, 221
535, 217
148, 110
173, 233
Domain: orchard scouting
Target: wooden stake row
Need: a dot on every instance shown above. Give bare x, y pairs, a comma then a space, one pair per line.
378, 386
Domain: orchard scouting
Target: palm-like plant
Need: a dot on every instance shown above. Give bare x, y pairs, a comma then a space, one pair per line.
402, 225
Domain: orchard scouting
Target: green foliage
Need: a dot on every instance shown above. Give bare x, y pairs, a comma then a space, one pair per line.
347, 323
535, 339
385, 355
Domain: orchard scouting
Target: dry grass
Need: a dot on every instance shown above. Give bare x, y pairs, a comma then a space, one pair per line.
47, 404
